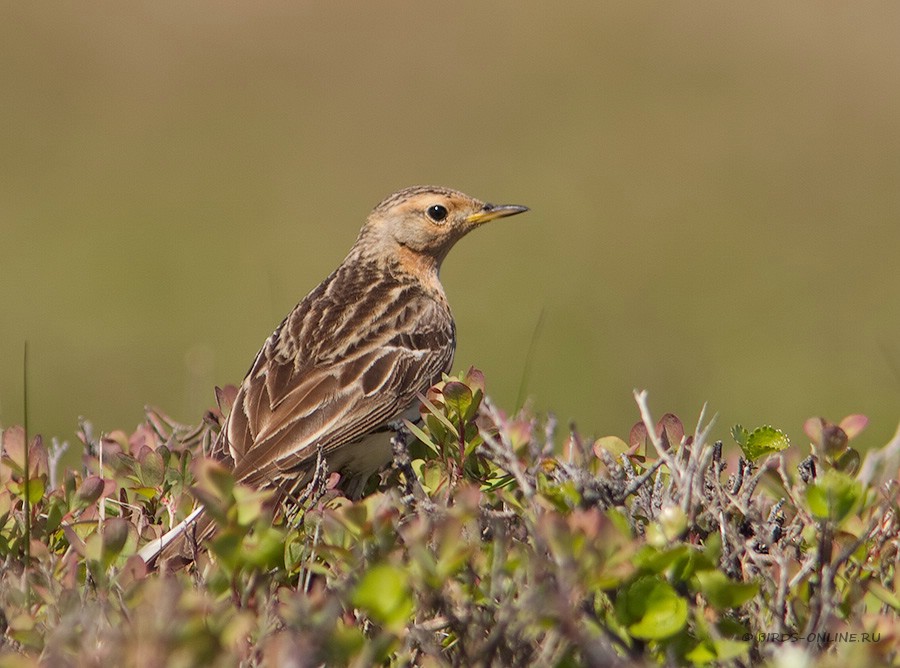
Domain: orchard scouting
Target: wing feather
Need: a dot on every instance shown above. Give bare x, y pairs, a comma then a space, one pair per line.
328, 381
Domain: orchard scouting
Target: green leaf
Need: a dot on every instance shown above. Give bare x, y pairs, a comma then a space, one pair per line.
344, 643
611, 444
712, 547
740, 435
115, 536
848, 461
702, 654
722, 593
384, 594
439, 414
146, 492
265, 547
685, 567
214, 488
473, 439
763, 441
654, 560
54, 514
295, 550
727, 649
227, 546
458, 397
249, 504
817, 500
36, 487
883, 594
833, 496
620, 521
563, 496
652, 609
421, 435
454, 555
721, 649
472, 410
432, 476
438, 430
152, 468
214, 478
673, 521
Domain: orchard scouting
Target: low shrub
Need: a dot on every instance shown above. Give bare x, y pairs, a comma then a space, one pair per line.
488, 542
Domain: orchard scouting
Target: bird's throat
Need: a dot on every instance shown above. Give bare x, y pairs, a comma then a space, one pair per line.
423, 266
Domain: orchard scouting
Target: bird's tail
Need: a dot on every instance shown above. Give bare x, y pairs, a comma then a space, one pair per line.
181, 541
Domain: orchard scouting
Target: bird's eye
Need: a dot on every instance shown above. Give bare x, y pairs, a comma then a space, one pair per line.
437, 213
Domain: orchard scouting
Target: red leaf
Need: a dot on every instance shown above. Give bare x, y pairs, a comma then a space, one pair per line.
14, 445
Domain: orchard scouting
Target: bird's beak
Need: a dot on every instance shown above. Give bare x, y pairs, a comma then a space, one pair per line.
492, 211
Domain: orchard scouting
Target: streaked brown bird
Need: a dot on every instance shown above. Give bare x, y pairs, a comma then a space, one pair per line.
351, 357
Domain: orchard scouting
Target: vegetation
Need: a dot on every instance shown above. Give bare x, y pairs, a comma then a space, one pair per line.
488, 542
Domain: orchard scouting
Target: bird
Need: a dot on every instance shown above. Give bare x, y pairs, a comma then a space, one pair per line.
349, 361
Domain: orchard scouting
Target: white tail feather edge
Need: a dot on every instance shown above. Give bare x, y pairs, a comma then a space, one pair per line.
152, 550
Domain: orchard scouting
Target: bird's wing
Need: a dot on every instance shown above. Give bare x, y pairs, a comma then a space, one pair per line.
284, 410
279, 425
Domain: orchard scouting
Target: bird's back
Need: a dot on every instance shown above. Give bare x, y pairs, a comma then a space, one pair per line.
349, 358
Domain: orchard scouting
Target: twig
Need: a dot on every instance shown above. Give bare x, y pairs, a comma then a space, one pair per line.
639, 481
640, 396
504, 458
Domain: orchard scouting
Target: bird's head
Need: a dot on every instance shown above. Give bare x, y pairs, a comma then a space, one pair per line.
426, 221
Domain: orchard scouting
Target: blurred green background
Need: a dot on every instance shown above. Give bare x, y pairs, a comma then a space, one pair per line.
715, 195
